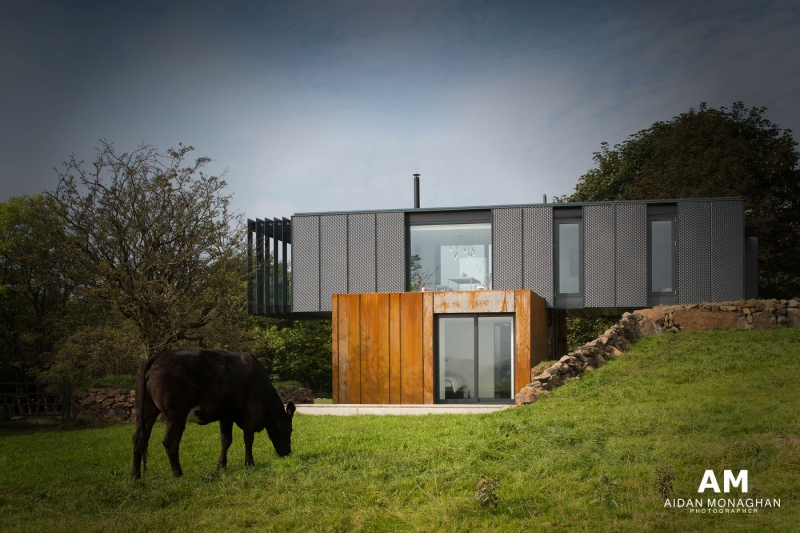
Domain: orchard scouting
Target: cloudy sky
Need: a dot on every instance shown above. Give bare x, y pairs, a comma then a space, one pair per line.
334, 105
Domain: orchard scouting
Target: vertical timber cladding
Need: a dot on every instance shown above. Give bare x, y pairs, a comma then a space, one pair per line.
537, 253
379, 348
598, 251
507, 245
727, 250
631, 255
383, 343
694, 252
305, 264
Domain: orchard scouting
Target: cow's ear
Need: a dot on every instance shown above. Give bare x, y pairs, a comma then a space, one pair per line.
290, 409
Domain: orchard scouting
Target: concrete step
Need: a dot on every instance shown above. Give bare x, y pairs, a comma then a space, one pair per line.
407, 409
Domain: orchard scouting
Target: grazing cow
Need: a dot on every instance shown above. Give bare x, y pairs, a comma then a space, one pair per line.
204, 386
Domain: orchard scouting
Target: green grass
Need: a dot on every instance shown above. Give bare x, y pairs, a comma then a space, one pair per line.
583, 459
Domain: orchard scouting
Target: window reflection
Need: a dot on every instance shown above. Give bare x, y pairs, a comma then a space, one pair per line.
569, 259
661, 256
450, 257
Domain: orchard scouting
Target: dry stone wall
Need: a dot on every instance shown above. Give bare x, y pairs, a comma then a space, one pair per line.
744, 314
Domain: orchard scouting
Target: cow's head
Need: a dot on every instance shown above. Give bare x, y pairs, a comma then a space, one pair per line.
281, 433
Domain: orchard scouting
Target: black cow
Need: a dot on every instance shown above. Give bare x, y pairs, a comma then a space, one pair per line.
204, 386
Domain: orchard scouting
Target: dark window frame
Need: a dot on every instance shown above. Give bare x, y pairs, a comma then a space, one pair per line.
430, 218
437, 370
573, 215
662, 212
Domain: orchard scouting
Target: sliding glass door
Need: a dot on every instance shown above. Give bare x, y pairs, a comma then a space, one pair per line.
475, 358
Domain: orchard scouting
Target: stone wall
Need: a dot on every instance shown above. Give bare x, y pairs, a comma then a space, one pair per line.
110, 404
100, 405
744, 314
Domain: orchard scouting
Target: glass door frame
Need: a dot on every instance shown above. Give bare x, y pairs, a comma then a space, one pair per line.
476, 347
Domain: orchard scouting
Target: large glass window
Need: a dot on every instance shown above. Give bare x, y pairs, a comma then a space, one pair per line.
475, 355
450, 257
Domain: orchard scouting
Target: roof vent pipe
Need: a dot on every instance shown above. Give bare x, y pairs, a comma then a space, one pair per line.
544, 198
416, 191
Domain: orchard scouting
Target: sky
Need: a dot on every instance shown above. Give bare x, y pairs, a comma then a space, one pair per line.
309, 106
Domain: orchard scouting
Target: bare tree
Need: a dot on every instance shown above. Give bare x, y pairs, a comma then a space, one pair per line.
152, 238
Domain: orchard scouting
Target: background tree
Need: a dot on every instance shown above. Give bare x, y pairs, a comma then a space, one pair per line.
34, 294
713, 153
296, 350
151, 240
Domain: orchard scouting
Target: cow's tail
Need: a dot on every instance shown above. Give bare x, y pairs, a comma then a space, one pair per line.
140, 436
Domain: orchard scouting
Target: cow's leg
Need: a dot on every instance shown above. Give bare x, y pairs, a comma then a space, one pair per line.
140, 440
225, 437
248, 446
172, 441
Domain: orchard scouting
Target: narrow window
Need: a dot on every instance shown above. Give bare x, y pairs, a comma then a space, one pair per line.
568, 233
661, 254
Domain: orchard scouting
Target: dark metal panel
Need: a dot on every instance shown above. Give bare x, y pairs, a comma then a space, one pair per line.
537, 253
631, 255
694, 252
361, 252
727, 250
391, 252
332, 258
507, 243
305, 264
599, 263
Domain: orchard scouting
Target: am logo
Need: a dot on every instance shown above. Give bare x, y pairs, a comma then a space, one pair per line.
728, 480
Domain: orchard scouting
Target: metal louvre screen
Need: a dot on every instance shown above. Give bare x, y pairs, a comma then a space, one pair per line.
727, 250
391, 252
537, 225
333, 258
361, 252
507, 242
599, 256
305, 264
631, 255
694, 252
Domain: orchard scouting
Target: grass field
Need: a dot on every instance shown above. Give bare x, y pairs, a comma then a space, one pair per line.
587, 458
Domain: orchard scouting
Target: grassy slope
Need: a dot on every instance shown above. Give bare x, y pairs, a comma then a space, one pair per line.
719, 400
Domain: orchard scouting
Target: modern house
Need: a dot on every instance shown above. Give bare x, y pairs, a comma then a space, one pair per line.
458, 304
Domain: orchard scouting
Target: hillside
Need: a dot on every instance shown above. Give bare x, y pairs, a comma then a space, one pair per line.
591, 456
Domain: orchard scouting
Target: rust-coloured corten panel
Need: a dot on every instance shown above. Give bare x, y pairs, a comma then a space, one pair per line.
335, 347
473, 302
350, 364
395, 347
411, 339
375, 348
522, 341
427, 348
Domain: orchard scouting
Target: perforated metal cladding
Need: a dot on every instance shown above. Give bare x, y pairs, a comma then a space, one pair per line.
631, 255
537, 225
694, 252
598, 256
305, 264
507, 242
361, 252
333, 258
727, 250
391, 252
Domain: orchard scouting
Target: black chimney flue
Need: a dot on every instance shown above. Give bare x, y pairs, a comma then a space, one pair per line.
416, 191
